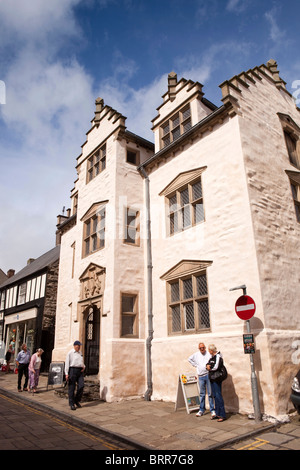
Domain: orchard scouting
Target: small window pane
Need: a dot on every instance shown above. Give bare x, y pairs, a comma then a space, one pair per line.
189, 317
128, 303
186, 113
131, 157
87, 246
187, 126
203, 314
175, 121
166, 140
197, 190
166, 129
173, 203
176, 133
128, 324
186, 216
198, 213
88, 229
187, 288
94, 243
201, 285
176, 323
297, 208
175, 292
184, 197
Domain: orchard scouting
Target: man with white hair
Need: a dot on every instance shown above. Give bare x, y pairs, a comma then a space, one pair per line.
199, 360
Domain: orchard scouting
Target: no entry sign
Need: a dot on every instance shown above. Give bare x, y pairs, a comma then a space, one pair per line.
245, 307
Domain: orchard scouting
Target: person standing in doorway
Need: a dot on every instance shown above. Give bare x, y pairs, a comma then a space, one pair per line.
74, 369
8, 355
199, 360
22, 361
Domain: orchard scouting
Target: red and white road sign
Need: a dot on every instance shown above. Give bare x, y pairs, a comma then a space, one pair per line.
245, 307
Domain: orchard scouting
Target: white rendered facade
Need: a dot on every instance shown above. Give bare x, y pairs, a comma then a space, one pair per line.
223, 212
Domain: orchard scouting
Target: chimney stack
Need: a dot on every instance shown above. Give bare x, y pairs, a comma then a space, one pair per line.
99, 106
10, 273
30, 260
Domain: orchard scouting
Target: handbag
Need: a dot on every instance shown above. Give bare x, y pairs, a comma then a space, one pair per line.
218, 375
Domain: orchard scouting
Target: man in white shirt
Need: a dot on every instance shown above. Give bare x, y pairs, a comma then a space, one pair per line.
199, 360
74, 368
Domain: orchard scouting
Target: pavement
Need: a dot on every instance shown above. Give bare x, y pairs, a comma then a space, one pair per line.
147, 425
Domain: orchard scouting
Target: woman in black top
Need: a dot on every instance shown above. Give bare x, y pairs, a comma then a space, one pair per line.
213, 364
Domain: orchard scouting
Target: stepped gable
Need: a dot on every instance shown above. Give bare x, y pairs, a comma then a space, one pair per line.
232, 88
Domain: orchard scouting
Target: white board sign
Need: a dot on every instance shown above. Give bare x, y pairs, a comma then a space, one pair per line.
188, 394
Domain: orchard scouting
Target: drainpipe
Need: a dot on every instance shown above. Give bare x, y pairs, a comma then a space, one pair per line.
149, 391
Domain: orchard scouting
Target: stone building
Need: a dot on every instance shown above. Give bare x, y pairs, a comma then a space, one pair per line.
28, 306
159, 234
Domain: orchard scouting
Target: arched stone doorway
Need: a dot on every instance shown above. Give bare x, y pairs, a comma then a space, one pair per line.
90, 305
92, 340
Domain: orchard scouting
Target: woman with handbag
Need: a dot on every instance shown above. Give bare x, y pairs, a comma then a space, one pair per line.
217, 373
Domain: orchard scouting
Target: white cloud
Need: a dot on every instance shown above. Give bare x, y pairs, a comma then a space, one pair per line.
237, 6
28, 20
49, 104
276, 34
139, 105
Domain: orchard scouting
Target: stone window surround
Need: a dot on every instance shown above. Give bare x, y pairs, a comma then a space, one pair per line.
92, 226
96, 163
168, 128
131, 221
185, 180
137, 155
184, 271
294, 178
291, 131
133, 314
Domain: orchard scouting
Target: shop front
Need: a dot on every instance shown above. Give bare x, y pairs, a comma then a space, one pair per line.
21, 328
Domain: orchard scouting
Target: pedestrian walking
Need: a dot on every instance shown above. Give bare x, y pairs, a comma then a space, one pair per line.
8, 355
215, 364
22, 361
34, 369
199, 360
74, 369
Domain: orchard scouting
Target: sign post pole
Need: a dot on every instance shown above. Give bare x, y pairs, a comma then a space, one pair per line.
254, 387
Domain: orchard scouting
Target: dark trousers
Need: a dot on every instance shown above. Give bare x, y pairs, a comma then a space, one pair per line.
75, 377
219, 402
22, 369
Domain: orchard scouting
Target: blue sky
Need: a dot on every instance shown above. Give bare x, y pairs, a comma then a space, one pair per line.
57, 57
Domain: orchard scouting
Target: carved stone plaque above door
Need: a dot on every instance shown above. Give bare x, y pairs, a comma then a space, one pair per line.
92, 282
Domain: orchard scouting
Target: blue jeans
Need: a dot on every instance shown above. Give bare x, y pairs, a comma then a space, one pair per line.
219, 402
205, 385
